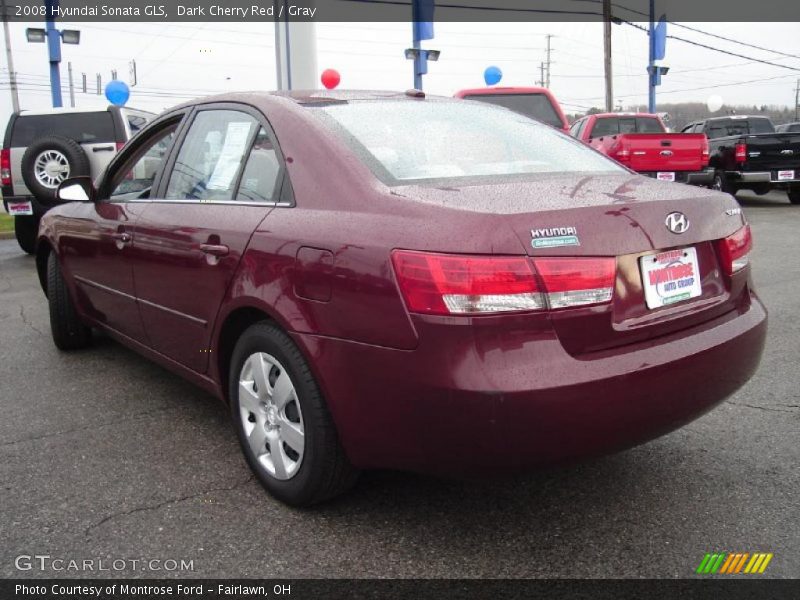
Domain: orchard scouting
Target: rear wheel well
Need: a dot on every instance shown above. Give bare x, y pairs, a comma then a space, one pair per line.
42, 255
235, 325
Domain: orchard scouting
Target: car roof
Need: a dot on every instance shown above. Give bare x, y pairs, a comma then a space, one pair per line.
625, 114
309, 97
69, 111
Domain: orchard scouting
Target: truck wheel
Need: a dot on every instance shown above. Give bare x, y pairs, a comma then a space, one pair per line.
50, 160
794, 197
282, 421
68, 331
25, 228
721, 184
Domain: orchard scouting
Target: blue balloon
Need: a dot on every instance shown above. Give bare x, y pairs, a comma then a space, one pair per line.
117, 92
492, 75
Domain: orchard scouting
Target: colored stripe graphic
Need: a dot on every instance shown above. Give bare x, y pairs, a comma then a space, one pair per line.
724, 563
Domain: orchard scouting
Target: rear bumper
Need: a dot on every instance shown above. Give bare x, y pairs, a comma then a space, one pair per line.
38, 208
762, 177
471, 402
702, 178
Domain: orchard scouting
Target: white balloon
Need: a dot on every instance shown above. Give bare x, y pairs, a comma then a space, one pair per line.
714, 103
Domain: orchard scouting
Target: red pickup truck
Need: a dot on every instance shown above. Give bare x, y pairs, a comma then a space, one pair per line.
536, 102
641, 142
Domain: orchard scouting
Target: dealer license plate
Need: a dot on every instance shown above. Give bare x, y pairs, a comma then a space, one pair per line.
784, 175
20, 208
665, 176
670, 277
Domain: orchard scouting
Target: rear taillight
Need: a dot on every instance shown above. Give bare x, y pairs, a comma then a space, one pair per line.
734, 250
741, 152
451, 284
577, 281
5, 166
706, 151
619, 152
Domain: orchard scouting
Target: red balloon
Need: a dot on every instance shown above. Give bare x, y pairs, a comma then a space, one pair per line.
330, 78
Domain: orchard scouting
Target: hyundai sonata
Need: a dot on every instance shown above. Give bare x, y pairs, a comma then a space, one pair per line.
385, 280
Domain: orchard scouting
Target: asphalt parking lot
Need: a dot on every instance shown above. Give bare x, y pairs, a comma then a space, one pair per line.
105, 455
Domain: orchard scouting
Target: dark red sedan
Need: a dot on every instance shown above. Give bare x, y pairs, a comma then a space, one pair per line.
381, 280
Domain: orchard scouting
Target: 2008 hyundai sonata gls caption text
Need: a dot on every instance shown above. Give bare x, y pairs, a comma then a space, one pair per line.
377, 280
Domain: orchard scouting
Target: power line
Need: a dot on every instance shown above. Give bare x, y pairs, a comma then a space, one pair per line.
728, 52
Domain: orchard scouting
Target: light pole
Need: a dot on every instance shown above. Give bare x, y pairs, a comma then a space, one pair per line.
53, 37
12, 75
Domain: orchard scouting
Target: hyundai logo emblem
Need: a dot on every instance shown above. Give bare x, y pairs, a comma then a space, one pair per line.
677, 222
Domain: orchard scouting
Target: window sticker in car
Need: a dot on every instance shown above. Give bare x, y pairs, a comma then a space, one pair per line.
230, 156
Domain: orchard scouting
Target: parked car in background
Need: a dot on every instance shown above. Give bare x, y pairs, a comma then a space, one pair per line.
640, 142
43, 148
748, 153
473, 301
536, 102
788, 128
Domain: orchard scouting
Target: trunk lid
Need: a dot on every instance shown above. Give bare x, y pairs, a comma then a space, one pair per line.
621, 216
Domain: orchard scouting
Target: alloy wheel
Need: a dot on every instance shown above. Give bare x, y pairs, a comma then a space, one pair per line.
271, 416
51, 168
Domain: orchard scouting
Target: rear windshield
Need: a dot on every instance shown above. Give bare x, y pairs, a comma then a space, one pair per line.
84, 128
403, 141
729, 127
537, 106
614, 125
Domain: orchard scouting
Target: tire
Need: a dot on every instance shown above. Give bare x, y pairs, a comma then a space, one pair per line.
722, 185
43, 157
794, 197
297, 470
25, 229
68, 331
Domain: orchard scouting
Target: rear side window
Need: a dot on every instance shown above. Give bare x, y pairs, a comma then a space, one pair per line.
260, 176
84, 128
211, 156
537, 106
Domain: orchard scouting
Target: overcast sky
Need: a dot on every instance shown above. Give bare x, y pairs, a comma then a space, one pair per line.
178, 61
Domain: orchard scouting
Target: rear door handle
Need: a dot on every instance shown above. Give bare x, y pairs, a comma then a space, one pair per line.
214, 249
102, 148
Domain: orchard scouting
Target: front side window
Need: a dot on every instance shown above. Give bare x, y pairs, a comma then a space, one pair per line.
136, 176
402, 140
211, 156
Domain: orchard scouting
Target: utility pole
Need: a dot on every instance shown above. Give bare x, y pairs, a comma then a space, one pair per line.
546, 82
797, 101
651, 68
71, 86
12, 75
541, 76
99, 83
607, 50
83, 77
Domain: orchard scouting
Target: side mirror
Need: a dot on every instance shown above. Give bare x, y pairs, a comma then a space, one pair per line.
76, 189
